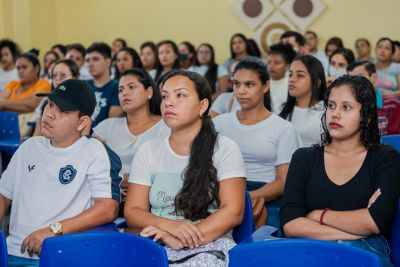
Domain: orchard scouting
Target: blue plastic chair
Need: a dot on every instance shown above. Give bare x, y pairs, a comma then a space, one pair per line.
298, 253
393, 140
101, 249
3, 250
244, 230
394, 241
9, 132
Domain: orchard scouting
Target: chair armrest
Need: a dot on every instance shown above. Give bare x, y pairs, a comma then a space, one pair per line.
263, 233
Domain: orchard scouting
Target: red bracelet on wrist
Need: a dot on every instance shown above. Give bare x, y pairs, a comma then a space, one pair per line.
321, 219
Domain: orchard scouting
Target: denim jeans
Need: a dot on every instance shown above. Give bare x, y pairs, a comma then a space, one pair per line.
376, 244
15, 261
273, 207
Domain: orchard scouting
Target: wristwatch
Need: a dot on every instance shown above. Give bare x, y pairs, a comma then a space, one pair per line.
56, 228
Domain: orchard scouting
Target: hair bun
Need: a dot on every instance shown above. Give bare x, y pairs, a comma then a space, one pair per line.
34, 51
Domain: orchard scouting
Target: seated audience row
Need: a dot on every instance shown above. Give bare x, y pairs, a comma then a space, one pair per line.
182, 177
198, 211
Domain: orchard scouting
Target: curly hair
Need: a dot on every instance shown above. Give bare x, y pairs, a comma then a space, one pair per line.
14, 48
285, 50
364, 93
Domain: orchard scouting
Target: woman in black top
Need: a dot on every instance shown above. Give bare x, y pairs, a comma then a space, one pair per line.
347, 188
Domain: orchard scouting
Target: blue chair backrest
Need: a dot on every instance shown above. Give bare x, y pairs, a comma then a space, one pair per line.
101, 249
3, 250
9, 128
9, 132
393, 140
394, 241
247, 227
298, 253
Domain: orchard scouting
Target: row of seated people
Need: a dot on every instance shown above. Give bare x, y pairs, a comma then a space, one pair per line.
166, 55
186, 174
19, 95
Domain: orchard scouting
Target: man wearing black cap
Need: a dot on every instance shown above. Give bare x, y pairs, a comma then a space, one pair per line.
61, 182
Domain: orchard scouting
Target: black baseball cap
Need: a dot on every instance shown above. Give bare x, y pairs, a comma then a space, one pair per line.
73, 94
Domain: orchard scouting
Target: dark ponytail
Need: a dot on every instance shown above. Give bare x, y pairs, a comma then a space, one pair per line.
200, 185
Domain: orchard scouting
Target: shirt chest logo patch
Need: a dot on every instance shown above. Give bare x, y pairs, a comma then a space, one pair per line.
67, 174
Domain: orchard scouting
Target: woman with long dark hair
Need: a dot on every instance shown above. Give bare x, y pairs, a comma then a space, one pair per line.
126, 58
168, 59
346, 189
187, 190
304, 105
148, 55
269, 140
187, 54
140, 100
216, 75
239, 48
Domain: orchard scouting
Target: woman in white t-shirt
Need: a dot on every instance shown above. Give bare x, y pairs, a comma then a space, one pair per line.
148, 55
267, 141
304, 105
187, 190
224, 103
216, 75
9, 52
140, 101
279, 58
239, 48
168, 59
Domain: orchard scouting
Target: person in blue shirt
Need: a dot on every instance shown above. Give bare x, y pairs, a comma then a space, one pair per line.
98, 59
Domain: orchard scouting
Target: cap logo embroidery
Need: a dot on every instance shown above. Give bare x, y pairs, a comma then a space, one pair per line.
62, 87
